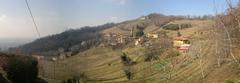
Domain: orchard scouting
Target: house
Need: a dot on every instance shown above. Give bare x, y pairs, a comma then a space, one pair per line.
139, 41
152, 35
110, 38
116, 38
182, 43
83, 43
178, 41
38, 57
184, 47
121, 38
61, 50
62, 56
54, 59
68, 54
143, 18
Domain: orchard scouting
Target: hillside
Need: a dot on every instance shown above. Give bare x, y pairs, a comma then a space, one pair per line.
73, 39
150, 23
151, 60
70, 39
104, 65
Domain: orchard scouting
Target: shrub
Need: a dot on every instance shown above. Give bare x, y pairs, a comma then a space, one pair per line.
151, 55
229, 81
172, 53
171, 27
129, 73
78, 78
125, 59
2, 79
186, 25
229, 25
176, 26
70, 81
138, 32
22, 69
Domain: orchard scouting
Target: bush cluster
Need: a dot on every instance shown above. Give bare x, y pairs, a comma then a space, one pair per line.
23, 69
176, 26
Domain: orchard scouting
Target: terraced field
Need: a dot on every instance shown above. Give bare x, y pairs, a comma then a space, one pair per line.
103, 65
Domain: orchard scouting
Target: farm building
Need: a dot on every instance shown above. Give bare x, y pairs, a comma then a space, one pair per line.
68, 54
178, 41
143, 18
182, 43
122, 38
140, 41
62, 56
152, 35
184, 47
116, 38
38, 57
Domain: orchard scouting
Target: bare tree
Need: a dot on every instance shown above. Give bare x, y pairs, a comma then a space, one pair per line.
228, 25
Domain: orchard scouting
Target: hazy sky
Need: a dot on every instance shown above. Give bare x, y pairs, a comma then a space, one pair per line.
54, 16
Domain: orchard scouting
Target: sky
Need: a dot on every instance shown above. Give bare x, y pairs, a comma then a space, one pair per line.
55, 16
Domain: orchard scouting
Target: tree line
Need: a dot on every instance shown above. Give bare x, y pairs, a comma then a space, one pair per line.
73, 39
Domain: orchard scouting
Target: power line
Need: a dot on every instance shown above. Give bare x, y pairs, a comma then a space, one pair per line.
34, 22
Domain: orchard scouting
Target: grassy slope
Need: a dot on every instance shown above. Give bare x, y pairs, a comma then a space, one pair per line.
125, 28
104, 65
